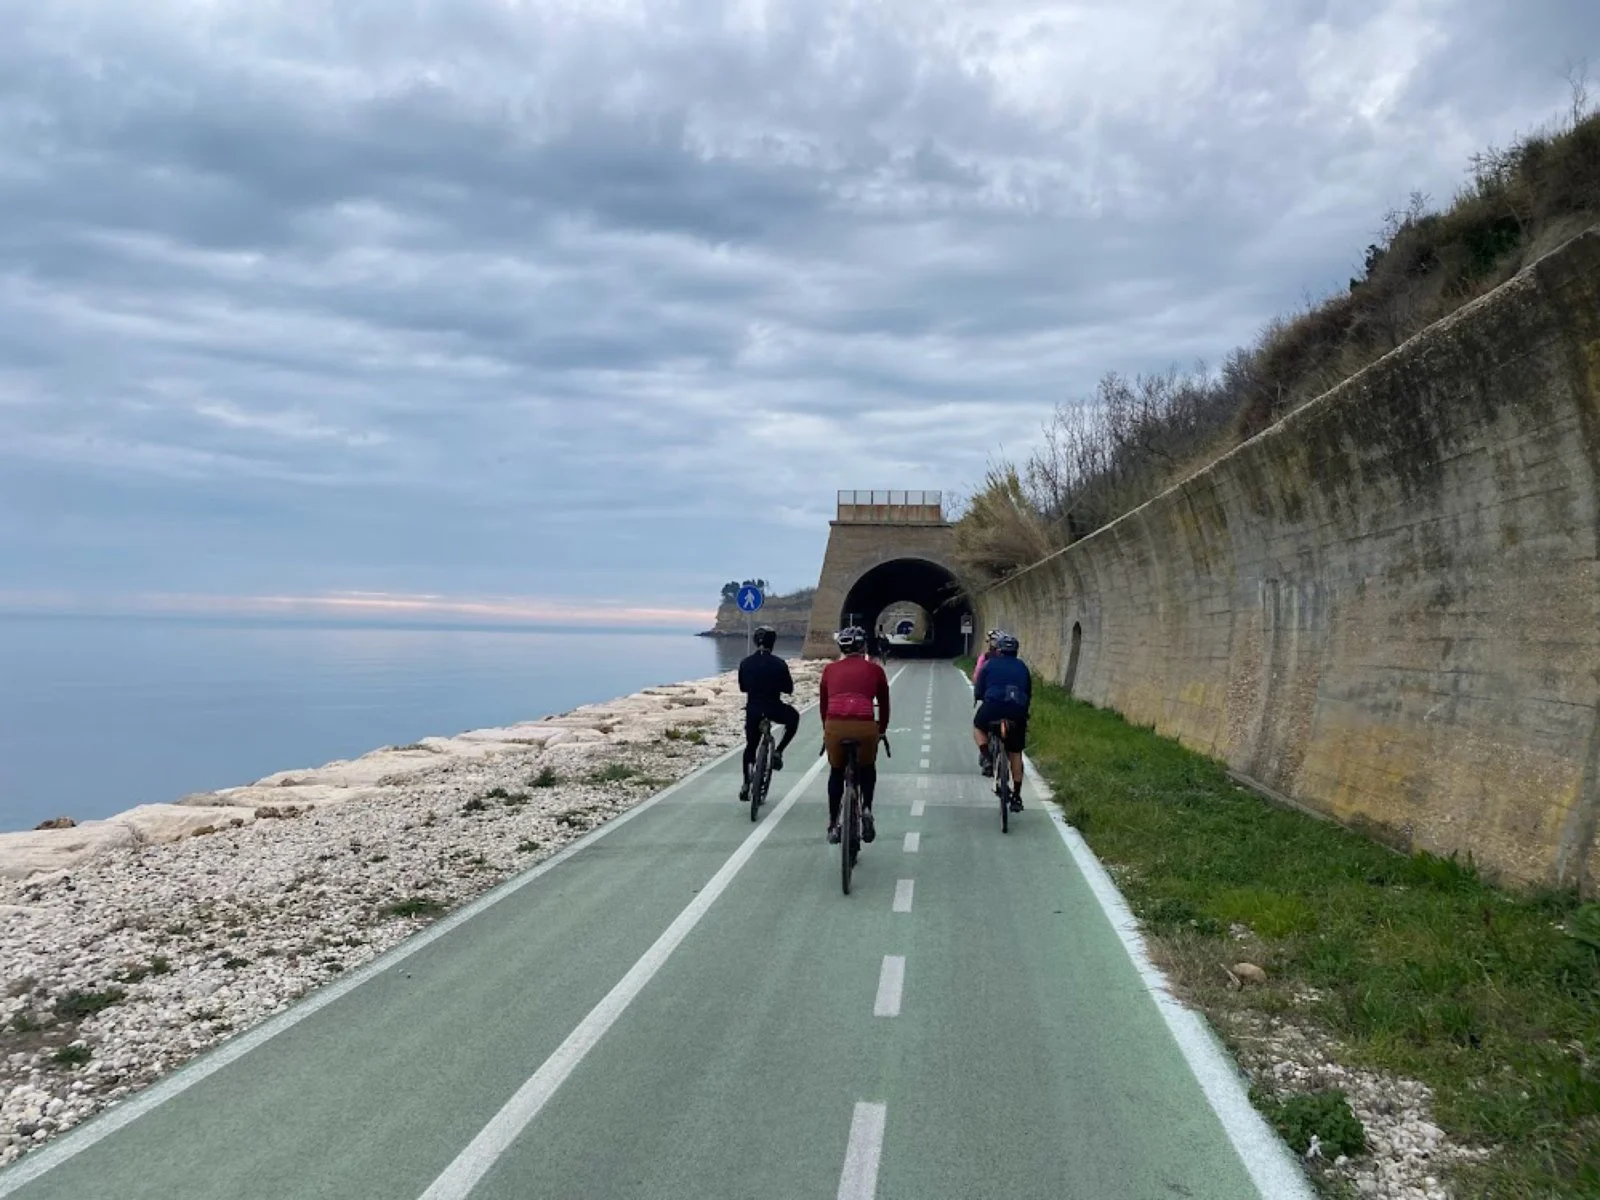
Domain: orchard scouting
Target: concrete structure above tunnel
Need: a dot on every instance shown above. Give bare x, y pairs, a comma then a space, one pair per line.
886, 547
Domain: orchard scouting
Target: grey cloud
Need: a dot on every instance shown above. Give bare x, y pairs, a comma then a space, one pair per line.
500, 294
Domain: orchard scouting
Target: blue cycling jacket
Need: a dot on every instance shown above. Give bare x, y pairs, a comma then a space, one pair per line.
1004, 680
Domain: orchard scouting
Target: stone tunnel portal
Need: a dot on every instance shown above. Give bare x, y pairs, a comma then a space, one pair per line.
912, 581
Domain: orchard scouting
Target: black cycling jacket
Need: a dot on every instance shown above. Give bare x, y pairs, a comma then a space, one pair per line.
765, 680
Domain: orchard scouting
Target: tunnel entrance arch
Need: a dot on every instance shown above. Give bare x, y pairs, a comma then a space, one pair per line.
911, 581
887, 549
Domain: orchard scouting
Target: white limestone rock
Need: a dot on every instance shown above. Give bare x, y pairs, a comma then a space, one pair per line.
36, 851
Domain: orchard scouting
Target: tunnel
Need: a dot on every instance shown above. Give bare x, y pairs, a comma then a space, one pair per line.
918, 582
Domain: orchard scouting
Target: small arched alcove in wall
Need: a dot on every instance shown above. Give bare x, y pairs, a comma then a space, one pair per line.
1071, 676
916, 581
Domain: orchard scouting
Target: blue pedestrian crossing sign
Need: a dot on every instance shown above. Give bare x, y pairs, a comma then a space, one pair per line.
750, 599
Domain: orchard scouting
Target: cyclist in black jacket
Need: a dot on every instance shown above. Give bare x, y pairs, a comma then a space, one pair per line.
764, 679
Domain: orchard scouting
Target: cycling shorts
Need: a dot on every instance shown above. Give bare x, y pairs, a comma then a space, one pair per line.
1016, 735
838, 730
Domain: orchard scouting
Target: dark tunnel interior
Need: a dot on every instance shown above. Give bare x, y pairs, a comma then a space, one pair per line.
919, 582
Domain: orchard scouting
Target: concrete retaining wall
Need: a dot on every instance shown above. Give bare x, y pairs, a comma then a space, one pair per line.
1388, 605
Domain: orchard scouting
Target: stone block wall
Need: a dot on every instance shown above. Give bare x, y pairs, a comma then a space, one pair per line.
1387, 606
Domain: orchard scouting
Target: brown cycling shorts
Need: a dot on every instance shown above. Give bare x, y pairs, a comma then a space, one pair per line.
840, 730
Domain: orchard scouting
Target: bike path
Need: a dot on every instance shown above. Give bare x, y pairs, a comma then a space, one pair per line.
1025, 1059
738, 1071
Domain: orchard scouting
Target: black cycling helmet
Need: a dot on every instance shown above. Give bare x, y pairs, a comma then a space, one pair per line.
852, 640
766, 637
992, 637
1007, 644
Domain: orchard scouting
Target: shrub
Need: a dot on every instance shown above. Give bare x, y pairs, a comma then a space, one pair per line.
74, 1006
1324, 1115
72, 1056
414, 906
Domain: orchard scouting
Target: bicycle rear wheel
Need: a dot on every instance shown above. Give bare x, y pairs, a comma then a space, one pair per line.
1002, 777
759, 775
848, 829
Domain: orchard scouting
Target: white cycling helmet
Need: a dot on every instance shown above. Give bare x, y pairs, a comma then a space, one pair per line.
851, 639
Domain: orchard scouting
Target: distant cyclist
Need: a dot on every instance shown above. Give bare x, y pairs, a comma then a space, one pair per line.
989, 640
1003, 688
850, 686
764, 679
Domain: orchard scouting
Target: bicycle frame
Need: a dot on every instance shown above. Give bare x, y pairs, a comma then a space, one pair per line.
761, 768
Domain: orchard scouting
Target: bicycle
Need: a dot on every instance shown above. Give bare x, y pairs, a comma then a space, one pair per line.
761, 769
1001, 762
850, 811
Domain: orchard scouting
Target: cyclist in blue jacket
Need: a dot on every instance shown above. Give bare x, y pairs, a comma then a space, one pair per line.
1003, 688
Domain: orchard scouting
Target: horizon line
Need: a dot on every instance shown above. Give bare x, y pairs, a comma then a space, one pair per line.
358, 604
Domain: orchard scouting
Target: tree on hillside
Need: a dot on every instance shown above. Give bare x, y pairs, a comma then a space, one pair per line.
730, 590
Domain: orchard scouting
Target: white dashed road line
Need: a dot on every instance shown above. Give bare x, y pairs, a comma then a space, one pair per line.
913, 842
917, 806
891, 983
860, 1178
902, 895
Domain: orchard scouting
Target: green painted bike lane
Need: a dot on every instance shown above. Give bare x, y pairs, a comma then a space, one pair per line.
1026, 1058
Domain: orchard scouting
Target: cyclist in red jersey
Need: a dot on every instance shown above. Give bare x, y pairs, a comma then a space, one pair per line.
851, 685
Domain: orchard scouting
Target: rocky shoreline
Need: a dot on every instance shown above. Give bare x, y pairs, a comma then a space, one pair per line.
128, 946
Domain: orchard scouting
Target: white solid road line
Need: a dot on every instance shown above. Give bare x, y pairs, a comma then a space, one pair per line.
913, 842
859, 1180
902, 895
462, 1175
1267, 1160
891, 983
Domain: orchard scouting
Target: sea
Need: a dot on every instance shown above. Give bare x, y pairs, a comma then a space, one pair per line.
98, 714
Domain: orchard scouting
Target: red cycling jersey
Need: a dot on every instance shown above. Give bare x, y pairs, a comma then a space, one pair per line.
849, 686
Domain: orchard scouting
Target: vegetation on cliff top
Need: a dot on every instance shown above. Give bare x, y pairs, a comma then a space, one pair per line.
1104, 456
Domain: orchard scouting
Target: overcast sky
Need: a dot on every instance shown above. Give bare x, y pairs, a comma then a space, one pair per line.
585, 304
